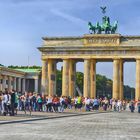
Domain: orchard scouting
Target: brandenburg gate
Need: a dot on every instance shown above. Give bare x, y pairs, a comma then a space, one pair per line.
90, 48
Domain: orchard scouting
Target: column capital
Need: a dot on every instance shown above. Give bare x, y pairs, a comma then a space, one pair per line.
35, 78
46, 59
137, 59
115, 58
93, 60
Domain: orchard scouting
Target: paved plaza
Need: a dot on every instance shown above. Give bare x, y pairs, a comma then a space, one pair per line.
100, 126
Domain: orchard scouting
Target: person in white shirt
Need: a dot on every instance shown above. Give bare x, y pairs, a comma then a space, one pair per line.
75, 102
87, 104
119, 105
62, 104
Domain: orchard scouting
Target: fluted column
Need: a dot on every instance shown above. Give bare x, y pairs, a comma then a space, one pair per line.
4, 83
65, 79
137, 94
14, 83
0, 82
44, 79
121, 95
36, 85
72, 77
52, 76
116, 83
93, 79
23, 85
9, 83
19, 84
87, 78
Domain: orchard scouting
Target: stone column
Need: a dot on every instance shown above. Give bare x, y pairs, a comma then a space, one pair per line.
116, 83
23, 85
93, 79
14, 83
44, 81
36, 85
121, 95
4, 83
137, 93
19, 85
0, 83
65, 79
72, 78
86, 78
9, 83
52, 77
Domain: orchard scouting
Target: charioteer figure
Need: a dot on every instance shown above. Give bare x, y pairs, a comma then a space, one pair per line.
105, 27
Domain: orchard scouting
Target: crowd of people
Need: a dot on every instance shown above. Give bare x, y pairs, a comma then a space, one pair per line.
11, 102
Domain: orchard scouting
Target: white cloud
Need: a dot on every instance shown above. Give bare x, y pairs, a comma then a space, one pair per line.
73, 19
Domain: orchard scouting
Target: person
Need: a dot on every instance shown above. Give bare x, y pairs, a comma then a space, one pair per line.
13, 102
7, 103
114, 105
16, 102
124, 105
39, 102
75, 103
105, 104
79, 103
56, 103
95, 104
119, 105
138, 105
110, 103
34, 104
131, 106
0, 102
87, 104
62, 104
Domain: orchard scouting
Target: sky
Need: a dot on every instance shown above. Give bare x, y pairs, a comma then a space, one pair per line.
23, 23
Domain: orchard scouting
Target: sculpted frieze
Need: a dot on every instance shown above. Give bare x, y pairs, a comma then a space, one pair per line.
93, 52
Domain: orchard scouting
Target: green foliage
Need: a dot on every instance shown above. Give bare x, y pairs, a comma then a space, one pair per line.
24, 67
59, 83
129, 93
103, 86
79, 80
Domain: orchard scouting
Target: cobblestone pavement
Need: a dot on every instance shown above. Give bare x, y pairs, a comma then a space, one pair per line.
22, 116
102, 126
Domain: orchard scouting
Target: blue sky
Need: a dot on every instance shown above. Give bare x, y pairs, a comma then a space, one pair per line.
24, 22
